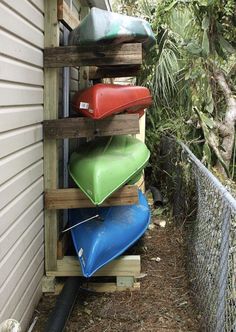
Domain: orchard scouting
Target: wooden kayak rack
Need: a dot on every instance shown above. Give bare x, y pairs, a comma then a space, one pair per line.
103, 61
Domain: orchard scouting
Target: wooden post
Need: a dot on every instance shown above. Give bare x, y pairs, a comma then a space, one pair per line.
51, 90
66, 16
141, 137
84, 71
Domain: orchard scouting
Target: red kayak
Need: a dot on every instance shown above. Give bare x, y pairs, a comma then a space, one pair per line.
102, 100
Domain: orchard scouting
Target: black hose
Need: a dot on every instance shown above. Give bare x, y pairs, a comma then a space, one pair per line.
157, 196
64, 305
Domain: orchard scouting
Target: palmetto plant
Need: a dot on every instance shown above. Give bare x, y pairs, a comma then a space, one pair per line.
191, 73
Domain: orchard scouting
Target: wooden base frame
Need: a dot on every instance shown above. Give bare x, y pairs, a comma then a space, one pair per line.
125, 269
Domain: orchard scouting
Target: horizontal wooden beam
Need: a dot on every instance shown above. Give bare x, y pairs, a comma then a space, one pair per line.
66, 15
124, 266
109, 287
120, 124
72, 56
74, 198
110, 72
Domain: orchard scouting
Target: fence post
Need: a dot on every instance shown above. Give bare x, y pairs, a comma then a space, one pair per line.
223, 270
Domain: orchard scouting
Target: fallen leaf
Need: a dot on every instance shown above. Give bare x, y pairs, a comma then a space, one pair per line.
151, 226
161, 223
156, 259
141, 275
87, 311
182, 304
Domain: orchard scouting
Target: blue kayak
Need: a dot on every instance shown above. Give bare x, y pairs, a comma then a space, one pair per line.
99, 241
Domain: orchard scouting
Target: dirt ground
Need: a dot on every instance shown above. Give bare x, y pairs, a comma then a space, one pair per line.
163, 303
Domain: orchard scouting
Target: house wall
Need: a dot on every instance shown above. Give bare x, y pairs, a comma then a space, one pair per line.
21, 158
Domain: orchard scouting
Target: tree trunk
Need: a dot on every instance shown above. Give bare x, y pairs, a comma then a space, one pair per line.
227, 130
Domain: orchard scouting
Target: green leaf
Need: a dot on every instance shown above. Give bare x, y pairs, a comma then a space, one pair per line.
171, 5
226, 45
187, 75
207, 121
193, 48
207, 153
205, 43
210, 107
203, 3
209, 100
205, 23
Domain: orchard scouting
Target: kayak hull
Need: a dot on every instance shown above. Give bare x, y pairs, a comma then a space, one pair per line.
102, 166
104, 27
103, 100
99, 241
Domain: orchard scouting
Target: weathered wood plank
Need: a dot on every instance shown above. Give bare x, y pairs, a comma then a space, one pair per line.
110, 72
67, 56
109, 287
51, 98
66, 15
74, 198
84, 127
96, 286
122, 266
141, 137
62, 245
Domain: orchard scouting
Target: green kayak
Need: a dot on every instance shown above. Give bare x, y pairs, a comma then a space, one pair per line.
104, 27
103, 166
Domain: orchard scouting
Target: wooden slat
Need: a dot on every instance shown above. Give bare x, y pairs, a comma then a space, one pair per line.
84, 127
67, 56
110, 72
62, 245
51, 99
123, 266
66, 15
74, 198
109, 287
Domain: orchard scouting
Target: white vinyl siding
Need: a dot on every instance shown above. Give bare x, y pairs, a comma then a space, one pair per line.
21, 158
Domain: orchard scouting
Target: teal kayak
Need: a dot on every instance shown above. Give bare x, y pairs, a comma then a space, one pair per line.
102, 166
104, 27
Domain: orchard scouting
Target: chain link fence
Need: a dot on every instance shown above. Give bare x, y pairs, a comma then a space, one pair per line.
208, 210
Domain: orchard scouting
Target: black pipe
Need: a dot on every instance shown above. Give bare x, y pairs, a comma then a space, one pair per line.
157, 196
64, 305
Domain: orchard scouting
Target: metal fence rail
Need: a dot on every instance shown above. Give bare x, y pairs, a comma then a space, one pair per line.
211, 240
